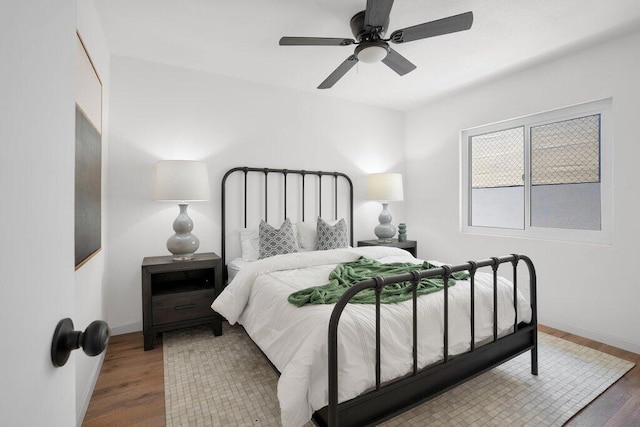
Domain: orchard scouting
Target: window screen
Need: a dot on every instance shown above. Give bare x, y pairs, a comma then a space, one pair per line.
497, 159
566, 152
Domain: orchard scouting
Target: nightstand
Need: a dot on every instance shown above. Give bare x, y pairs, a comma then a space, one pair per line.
410, 246
179, 294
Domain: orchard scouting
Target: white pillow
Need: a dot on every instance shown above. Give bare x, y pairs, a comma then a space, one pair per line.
307, 235
250, 243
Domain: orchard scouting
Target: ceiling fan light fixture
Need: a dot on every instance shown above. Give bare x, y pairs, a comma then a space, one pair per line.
369, 28
371, 53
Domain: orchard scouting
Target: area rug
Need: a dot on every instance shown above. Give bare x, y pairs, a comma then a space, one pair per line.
226, 381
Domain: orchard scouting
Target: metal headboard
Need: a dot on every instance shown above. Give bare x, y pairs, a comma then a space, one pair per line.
285, 173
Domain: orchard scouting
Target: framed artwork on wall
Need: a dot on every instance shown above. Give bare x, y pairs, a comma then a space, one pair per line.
88, 160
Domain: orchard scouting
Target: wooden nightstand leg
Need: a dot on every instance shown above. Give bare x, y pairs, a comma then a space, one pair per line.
148, 340
216, 326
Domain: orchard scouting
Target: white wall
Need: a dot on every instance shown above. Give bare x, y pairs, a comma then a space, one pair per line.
588, 289
90, 279
164, 112
37, 51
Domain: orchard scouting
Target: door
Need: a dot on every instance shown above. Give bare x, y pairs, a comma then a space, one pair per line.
37, 47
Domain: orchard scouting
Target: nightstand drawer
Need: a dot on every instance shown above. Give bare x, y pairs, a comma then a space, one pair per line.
170, 308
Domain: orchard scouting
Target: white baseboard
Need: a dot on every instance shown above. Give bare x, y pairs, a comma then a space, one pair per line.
86, 399
592, 335
127, 329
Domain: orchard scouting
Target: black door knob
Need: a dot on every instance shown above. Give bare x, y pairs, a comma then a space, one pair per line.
93, 340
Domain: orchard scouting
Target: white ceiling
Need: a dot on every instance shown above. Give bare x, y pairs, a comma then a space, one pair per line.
239, 38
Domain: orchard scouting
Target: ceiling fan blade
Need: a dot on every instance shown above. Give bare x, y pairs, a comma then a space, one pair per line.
442, 26
377, 13
398, 63
315, 41
339, 72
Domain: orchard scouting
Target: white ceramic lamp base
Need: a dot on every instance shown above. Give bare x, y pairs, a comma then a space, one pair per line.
183, 244
385, 230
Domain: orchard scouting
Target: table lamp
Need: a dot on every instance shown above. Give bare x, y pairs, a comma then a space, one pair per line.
181, 181
385, 188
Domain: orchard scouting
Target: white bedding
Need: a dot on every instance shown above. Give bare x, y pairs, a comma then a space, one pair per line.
235, 266
295, 338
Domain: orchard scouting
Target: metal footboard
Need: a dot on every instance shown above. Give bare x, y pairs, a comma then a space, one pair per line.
389, 399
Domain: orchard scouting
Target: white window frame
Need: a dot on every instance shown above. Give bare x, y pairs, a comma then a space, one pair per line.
602, 236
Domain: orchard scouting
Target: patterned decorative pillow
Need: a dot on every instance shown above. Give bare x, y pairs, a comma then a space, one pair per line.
276, 241
332, 236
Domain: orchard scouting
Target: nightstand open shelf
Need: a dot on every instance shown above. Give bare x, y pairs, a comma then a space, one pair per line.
178, 294
181, 281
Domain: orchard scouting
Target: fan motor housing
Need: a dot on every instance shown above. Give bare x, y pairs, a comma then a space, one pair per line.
361, 33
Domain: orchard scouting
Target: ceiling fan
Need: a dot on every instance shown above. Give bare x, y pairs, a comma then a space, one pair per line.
369, 27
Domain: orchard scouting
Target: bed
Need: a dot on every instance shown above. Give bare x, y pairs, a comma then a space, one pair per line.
358, 364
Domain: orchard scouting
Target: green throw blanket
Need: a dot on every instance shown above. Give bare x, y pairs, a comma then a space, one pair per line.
349, 273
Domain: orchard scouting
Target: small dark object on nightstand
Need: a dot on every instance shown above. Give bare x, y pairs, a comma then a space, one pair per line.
402, 232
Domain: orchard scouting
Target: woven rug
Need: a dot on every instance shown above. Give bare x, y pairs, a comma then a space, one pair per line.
226, 381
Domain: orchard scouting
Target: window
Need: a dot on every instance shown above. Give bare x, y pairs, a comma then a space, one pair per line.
497, 186
542, 176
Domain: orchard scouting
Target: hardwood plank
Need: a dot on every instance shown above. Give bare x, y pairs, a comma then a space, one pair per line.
630, 411
130, 388
619, 404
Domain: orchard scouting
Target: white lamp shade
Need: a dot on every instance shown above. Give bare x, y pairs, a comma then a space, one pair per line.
385, 187
181, 181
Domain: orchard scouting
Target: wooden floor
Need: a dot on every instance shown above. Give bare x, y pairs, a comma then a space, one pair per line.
130, 389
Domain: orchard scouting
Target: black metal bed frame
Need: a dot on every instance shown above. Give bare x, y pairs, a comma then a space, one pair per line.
389, 399
285, 172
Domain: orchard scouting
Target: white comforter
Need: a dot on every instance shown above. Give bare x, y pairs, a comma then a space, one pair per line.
295, 338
